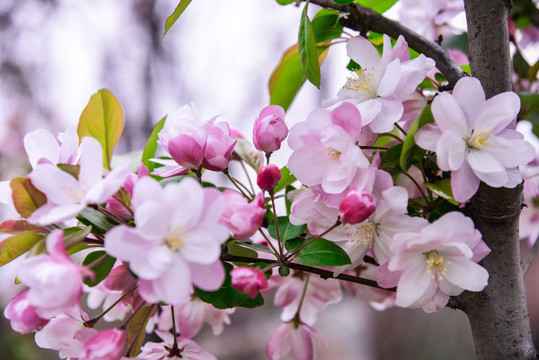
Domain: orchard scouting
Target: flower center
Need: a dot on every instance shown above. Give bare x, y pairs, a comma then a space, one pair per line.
436, 261
334, 154
362, 82
362, 234
479, 140
174, 240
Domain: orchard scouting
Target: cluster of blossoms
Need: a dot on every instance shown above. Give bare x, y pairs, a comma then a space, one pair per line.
162, 246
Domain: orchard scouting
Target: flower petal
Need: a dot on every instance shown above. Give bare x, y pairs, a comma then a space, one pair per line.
448, 114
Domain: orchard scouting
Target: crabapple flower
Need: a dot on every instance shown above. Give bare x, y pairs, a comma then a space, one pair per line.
270, 129
241, 217
42, 148
105, 345
379, 87
191, 315
177, 240
248, 280
430, 17
437, 262
23, 315
219, 146
268, 177
294, 339
118, 208
54, 281
324, 148
65, 334
186, 350
184, 137
67, 196
357, 206
472, 139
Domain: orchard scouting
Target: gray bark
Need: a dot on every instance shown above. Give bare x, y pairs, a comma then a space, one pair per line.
498, 315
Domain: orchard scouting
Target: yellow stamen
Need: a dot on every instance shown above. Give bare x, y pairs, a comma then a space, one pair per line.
362, 234
480, 140
362, 82
436, 261
174, 240
334, 154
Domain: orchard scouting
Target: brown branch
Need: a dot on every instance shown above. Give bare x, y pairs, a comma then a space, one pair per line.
361, 18
324, 274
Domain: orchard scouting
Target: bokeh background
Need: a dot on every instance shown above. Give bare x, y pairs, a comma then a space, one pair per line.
54, 54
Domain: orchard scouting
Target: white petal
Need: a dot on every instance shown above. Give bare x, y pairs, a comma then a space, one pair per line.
469, 94
497, 113
448, 114
451, 150
363, 52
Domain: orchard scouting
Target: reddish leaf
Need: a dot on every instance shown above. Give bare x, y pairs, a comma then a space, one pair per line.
26, 197
16, 245
20, 226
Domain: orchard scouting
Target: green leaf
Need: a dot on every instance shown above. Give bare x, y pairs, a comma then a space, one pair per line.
228, 297
100, 268
442, 188
286, 179
286, 229
103, 119
285, 2
343, 2
521, 66
391, 159
255, 246
136, 333
16, 245
72, 170
326, 26
21, 226
379, 6
26, 198
320, 252
175, 15
151, 145
308, 54
97, 220
457, 42
235, 248
75, 235
409, 147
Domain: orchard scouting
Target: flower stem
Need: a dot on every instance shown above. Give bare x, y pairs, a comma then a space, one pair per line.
90, 323
291, 256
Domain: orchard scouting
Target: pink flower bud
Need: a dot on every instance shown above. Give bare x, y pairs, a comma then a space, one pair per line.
248, 280
219, 146
268, 177
241, 217
270, 129
22, 314
105, 345
356, 206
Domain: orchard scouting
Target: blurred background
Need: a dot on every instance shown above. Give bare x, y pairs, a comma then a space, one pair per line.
54, 54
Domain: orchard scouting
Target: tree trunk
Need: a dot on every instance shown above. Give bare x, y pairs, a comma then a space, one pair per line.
498, 315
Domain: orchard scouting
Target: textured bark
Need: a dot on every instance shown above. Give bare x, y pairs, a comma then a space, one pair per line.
498, 315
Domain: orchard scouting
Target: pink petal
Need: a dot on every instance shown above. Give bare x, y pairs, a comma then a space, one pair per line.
412, 285
427, 137
469, 93
41, 144
363, 52
390, 112
91, 162
60, 187
467, 274
448, 114
390, 80
451, 149
487, 169
208, 277
497, 113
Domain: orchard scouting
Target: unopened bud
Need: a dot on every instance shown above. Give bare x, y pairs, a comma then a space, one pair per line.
268, 177
356, 206
248, 280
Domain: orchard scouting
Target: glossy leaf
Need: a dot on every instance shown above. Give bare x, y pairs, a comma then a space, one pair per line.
287, 230
285, 2
326, 26
16, 245
75, 235
102, 119
101, 266
442, 188
26, 198
96, 219
343, 2
235, 248
391, 159
308, 54
320, 252
255, 246
228, 297
136, 333
287, 179
151, 145
175, 15
409, 147
21, 226
379, 6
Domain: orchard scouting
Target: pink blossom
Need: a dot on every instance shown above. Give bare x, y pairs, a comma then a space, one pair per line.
172, 246
324, 148
67, 196
219, 145
118, 208
184, 137
270, 129
105, 345
471, 138
191, 316
319, 294
268, 177
379, 87
65, 334
437, 262
430, 17
22, 314
242, 218
187, 349
248, 280
54, 281
42, 148
357, 206
294, 339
